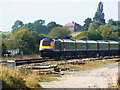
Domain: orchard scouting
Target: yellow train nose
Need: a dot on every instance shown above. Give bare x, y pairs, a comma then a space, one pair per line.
48, 47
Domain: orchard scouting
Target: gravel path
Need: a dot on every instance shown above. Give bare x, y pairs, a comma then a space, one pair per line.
102, 77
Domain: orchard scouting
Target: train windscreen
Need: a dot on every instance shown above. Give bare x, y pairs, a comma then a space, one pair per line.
46, 43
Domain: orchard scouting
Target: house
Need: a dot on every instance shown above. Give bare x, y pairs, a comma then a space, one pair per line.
73, 26
12, 52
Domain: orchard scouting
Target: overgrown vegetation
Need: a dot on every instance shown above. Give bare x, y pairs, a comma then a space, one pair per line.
85, 65
18, 79
15, 79
46, 78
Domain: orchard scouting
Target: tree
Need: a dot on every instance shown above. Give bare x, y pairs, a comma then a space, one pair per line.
51, 25
83, 38
89, 35
87, 24
112, 22
95, 25
29, 26
59, 32
26, 40
82, 34
41, 36
17, 25
109, 34
11, 44
6, 35
113, 27
94, 35
38, 26
3, 47
99, 15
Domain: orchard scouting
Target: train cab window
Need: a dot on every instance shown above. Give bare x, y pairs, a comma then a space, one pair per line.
46, 43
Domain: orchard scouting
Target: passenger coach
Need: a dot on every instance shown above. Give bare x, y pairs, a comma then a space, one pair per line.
50, 47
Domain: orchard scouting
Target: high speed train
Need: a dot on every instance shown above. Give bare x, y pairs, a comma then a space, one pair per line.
51, 48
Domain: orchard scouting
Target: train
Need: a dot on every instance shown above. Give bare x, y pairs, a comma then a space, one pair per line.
63, 48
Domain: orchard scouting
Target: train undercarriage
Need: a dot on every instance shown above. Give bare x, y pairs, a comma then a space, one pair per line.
79, 54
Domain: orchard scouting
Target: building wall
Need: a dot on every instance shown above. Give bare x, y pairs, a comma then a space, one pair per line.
73, 27
13, 52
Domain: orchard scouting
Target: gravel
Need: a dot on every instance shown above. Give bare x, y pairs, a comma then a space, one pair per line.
102, 77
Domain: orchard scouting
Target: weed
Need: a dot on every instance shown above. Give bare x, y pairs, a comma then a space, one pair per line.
15, 79
88, 65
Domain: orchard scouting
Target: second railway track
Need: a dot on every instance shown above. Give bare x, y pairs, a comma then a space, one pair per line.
26, 61
41, 60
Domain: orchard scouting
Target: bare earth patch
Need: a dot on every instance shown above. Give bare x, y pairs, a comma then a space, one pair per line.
102, 77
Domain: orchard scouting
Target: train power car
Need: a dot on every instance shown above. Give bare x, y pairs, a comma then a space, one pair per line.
51, 48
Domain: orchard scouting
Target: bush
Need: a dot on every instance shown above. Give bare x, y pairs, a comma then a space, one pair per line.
89, 35
59, 32
26, 40
15, 79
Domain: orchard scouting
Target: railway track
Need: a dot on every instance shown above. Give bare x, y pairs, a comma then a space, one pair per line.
41, 60
26, 61
42, 66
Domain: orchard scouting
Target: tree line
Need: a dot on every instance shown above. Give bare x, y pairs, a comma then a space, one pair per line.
26, 37
38, 26
29, 41
97, 29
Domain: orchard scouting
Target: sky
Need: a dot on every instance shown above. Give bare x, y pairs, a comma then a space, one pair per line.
60, 11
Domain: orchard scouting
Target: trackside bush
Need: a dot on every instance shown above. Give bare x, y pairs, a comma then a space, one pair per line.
14, 79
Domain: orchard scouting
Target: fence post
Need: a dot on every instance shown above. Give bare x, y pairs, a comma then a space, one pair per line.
11, 64
21, 54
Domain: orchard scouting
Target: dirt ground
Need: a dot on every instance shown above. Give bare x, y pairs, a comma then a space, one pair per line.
102, 77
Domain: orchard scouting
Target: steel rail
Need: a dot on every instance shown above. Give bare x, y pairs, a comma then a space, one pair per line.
41, 60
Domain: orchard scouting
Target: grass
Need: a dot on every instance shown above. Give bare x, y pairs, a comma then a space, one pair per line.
46, 78
16, 79
12, 79
88, 65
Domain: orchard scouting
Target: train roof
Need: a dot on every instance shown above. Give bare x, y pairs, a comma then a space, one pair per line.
68, 40
91, 41
102, 41
64, 40
114, 42
81, 41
